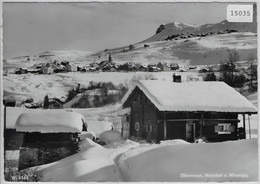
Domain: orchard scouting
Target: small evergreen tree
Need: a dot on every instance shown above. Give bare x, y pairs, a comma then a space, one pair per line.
46, 102
96, 101
228, 72
253, 70
210, 77
78, 88
71, 94
109, 58
131, 47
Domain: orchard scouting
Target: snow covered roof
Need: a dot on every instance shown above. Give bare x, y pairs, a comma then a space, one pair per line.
50, 122
193, 96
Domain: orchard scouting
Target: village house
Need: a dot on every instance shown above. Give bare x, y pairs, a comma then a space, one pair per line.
153, 68
42, 137
47, 70
163, 66
21, 71
55, 103
162, 110
174, 66
141, 67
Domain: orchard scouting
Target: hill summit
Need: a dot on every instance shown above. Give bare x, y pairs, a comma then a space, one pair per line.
177, 28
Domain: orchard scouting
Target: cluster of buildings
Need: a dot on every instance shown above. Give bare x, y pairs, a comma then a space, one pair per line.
48, 68
103, 66
191, 35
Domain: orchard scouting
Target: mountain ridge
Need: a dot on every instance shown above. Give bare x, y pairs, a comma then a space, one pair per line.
175, 28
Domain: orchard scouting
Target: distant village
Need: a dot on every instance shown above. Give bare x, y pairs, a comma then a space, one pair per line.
104, 66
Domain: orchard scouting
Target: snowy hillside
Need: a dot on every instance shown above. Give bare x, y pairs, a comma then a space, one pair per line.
73, 56
195, 50
22, 87
175, 161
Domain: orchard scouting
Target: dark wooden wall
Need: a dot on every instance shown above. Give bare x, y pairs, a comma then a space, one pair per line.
13, 140
144, 112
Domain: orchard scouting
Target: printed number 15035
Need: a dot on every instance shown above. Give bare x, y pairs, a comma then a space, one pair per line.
240, 13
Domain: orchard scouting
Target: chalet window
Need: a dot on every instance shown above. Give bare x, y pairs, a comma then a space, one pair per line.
224, 128
148, 128
137, 126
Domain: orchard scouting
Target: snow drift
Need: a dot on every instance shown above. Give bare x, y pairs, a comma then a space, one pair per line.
50, 122
91, 164
214, 162
110, 136
173, 161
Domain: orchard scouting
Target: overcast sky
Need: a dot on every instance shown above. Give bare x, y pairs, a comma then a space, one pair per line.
33, 28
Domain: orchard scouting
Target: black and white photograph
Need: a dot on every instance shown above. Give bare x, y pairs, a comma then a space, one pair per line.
129, 91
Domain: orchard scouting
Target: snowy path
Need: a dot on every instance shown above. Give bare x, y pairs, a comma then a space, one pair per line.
73, 101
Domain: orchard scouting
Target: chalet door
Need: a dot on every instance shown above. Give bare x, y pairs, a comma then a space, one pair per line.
190, 132
126, 130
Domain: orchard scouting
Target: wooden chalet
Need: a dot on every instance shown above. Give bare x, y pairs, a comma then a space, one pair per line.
161, 110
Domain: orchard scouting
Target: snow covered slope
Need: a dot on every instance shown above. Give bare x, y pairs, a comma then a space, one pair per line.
226, 161
178, 162
195, 50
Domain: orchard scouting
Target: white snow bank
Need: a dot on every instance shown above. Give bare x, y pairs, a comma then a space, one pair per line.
91, 164
226, 161
174, 142
110, 136
85, 134
87, 143
121, 144
50, 122
128, 161
99, 126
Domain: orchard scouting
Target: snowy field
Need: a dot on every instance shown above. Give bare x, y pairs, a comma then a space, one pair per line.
57, 85
177, 160
197, 50
231, 41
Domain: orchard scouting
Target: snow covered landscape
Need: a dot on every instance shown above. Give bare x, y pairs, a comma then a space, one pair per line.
128, 161
179, 105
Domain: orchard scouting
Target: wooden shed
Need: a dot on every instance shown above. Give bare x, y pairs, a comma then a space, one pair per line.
162, 110
48, 136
